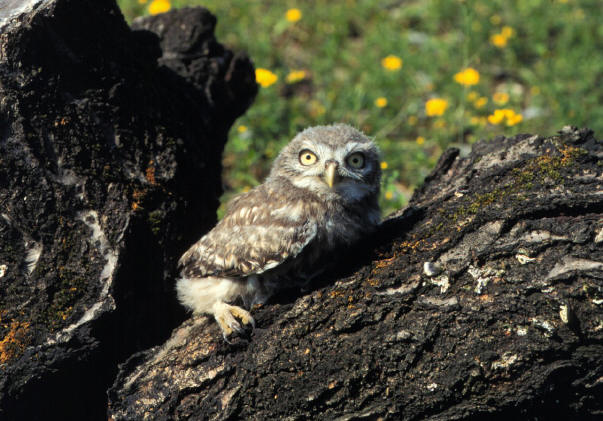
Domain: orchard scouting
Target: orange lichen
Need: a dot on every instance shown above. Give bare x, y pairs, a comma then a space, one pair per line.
406, 246
150, 173
372, 282
336, 293
62, 122
384, 262
486, 298
15, 341
137, 196
569, 154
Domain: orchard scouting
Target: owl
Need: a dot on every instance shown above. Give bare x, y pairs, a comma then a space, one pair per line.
320, 196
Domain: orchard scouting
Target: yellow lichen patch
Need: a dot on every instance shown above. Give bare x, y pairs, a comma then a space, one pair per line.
64, 314
336, 293
384, 262
406, 246
372, 282
569, 154
15, 341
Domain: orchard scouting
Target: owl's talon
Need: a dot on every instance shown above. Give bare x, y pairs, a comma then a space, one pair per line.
237, 327
225, 316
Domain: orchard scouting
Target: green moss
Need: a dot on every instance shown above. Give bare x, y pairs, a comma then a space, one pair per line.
542, 168
155, 220
71, 287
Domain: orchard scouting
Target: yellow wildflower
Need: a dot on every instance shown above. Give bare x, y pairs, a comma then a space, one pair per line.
242, 129
296, 76
501, 98
498, 40
392, 63
412, 120
497, 117
472, 96
507, 31
480, 102
506, 115
381, 102
420, 140
495, 19
474, 120
389, 195
316, 108
514, 119
578, 14
246, 189
384, 165
159, 6
468, 77
264, 77
435, 107
293, 15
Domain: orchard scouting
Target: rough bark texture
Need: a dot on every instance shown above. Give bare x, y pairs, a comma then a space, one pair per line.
110, 151
481, 300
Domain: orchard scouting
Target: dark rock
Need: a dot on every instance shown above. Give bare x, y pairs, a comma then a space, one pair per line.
110, 162
511, 326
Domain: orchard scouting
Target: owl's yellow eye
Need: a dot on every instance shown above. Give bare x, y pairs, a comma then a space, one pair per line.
307, 157
355, 160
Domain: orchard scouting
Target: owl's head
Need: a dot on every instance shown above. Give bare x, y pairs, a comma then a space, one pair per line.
331, 160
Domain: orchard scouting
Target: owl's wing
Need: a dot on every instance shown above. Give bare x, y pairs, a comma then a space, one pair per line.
251, 238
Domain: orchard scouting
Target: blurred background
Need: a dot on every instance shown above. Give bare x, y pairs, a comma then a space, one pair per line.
418, 76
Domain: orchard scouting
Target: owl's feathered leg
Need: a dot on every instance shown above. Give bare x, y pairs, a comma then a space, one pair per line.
210, 296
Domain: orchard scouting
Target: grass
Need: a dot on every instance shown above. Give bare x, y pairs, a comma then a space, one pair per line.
538, 60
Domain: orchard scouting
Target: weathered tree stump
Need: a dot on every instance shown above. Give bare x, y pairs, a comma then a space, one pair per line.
483, 300
110, 162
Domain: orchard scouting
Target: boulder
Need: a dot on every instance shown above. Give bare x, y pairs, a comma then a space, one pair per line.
110, 163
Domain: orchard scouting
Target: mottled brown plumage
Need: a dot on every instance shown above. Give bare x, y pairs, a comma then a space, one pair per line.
321, 194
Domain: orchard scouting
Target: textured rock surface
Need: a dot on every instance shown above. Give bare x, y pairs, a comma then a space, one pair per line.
482, 300
110, 150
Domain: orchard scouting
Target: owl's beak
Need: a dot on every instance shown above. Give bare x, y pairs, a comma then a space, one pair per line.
331, 176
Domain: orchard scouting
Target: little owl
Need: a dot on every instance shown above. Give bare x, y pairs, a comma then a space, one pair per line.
321, 194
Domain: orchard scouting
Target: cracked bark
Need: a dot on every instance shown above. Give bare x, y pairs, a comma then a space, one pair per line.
483, 299
110, 151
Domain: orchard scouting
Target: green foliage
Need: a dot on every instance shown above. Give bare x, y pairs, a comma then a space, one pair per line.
541, 57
